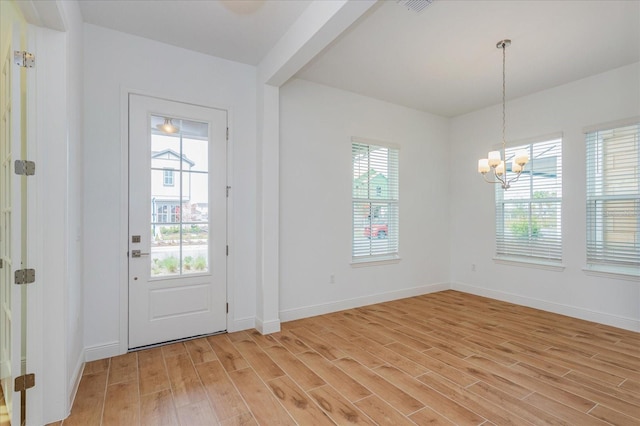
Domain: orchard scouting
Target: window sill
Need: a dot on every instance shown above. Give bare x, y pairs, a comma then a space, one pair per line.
615, 272
360, 263
527, 263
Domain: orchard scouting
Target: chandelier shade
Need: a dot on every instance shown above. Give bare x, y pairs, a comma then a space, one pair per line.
168, 127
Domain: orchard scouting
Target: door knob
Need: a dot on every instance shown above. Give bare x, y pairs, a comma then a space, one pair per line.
137, 253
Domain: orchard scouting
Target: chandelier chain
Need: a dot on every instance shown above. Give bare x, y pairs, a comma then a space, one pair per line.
504, 90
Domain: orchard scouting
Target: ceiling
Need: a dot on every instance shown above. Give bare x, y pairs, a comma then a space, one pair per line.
442, 60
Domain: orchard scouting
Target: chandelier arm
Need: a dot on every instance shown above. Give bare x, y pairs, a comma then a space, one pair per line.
515, 179
499, 179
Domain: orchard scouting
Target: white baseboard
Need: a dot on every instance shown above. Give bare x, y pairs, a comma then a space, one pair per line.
106, 350
241, 324
267, 327
340, 305
558, 308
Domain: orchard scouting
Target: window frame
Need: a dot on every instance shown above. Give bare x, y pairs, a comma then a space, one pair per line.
602, 258
531, 252
382, 200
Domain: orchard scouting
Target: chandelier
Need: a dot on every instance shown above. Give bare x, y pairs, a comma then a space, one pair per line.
494, 164
168, 127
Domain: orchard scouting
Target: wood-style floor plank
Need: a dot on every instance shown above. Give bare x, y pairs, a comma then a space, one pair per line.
122, 404
438, 359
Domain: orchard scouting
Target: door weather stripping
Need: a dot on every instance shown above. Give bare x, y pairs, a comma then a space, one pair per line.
24, 59
25, 168
25, 276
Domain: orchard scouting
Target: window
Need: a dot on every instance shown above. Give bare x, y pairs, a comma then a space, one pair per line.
167, 212
613, 199
528, 214
375, 201
168, 177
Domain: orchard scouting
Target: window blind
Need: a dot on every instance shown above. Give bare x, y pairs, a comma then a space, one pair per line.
613, 197
529, 213
375, 193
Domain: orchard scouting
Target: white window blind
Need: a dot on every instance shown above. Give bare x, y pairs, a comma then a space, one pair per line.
375, 201
613, 197
528, 214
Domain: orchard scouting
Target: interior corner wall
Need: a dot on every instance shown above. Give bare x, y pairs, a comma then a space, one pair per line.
316, 126
602, 98
115, 62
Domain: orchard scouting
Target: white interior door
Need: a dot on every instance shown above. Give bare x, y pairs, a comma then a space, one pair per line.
177, 220
12, 232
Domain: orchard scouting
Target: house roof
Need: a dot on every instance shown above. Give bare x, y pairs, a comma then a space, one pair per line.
174, 154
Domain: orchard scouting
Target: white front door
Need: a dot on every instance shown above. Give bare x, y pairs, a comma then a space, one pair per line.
177, 220
12, 212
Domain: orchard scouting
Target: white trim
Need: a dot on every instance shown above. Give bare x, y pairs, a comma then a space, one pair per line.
106, 350
375, 142
74, 383
558, 308
35, 227
240, 324
375, 261
529, 263
612, 125
339, 305
267, 327
618, 273
123, 342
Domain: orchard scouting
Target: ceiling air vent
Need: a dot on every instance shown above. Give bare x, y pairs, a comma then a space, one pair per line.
416, 5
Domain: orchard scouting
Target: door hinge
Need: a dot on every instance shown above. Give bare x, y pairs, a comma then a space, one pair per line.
24, 382
25, 276
227, 250
24, 59
25, 167
228, 188
1, 263
227, 308
227, 133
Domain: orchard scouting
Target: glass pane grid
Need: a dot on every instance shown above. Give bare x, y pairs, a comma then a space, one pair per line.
375, 201
613, 196
528, 214
179, 199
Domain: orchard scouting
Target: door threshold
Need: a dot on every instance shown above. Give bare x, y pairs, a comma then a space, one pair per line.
169, 342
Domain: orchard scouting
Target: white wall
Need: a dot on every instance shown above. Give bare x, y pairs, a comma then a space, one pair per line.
74, 183
316, 126
58, 353
114, 63
568, 109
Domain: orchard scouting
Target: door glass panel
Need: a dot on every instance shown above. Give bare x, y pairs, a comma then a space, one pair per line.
195, 248
179, 197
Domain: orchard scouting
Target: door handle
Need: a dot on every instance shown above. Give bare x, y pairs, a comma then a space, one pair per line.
137, 253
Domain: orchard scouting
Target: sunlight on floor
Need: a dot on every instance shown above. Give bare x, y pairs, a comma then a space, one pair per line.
4, 415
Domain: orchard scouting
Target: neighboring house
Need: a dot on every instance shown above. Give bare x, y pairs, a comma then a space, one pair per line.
374, 181
378, 185
167, 166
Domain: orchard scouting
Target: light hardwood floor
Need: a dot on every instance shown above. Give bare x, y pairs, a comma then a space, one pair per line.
439, 359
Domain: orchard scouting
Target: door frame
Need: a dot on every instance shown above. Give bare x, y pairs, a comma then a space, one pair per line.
122, 346
34, 220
